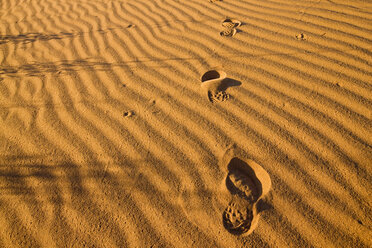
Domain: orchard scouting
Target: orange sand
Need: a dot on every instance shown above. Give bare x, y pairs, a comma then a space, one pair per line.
110, 136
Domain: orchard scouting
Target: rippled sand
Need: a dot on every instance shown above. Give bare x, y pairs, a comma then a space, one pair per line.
185, 123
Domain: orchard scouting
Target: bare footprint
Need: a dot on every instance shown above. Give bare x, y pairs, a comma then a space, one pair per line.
231, 23
247, 182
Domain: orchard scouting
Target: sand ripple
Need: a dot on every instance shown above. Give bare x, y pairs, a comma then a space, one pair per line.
107, 138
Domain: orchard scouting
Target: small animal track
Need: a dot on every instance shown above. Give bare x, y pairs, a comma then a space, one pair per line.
128, 114
247, 182
301, 36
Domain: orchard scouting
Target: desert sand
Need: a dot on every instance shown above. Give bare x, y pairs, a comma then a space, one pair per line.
185, 123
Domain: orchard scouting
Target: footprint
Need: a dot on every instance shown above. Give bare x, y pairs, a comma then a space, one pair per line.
231, 23
218, 97
247, 182
238, 216
213, 85
229, 32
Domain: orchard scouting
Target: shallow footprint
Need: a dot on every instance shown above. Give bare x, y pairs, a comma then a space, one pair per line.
229, 32
247, 182
231, 23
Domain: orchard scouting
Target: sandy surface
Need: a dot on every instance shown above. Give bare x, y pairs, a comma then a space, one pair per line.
138, 123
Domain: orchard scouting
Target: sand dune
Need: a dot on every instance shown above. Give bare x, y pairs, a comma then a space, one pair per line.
110, 135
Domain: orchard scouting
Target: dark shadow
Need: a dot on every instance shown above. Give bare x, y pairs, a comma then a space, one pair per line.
229, 82
212, 74
240, 167
263, 205
32, 37
15, 176
66, 66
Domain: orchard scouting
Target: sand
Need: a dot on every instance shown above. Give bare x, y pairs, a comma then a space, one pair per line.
185, 123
